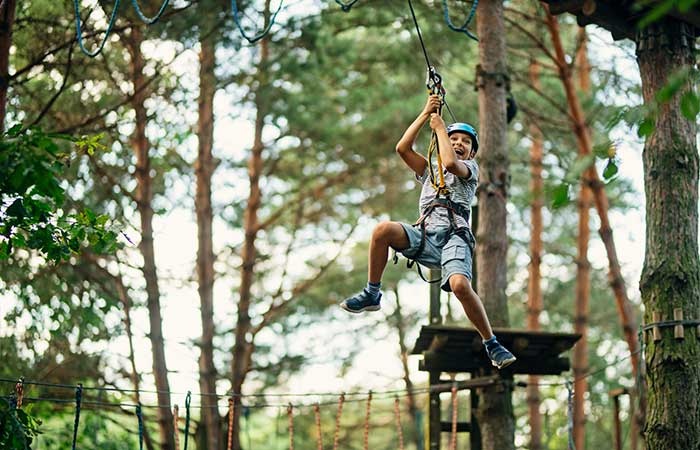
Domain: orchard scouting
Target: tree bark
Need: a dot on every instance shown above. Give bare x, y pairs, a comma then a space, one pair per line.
534, 282
144, 196
583, 138
583, 269
7, 19
204, 169
495, 410
243, 344
671, 273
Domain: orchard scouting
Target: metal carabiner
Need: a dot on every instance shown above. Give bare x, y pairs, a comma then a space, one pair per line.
434, 82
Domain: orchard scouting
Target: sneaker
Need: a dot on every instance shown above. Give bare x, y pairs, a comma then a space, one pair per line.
500, 357
361, 302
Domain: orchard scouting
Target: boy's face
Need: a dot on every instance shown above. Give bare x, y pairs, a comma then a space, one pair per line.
462, 145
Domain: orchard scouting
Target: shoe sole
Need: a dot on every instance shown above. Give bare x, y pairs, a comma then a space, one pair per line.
357, 311
505, 363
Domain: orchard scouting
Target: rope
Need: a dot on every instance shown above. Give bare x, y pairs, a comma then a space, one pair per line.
317, 415
367, 413
139, 417
570, 415
399, 430
453, 437
463, 28
263, 33
78, 399
420, 37
290, 416
188, 400
336, 434
230, 423
346, 7
79, 31
176, 425
149, 20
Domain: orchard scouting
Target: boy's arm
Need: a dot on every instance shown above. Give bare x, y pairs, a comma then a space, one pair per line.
447, 154
404, 147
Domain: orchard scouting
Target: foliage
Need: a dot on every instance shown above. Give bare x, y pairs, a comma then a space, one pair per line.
35, 213
17, 427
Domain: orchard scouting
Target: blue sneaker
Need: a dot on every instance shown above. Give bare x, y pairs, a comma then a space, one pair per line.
360, 302
500, 357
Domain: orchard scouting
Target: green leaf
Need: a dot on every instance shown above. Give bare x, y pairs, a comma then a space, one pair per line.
675, 82
560, 196
16, 209
685, 5
610, 169
656, 13
646, 128
15, 130
690, 105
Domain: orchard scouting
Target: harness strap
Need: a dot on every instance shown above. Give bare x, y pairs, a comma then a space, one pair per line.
452, 209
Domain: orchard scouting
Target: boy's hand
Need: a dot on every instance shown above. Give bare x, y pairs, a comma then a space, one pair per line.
436, 122
432, 105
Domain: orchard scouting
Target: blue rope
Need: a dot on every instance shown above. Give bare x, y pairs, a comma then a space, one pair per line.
79, 31
78, 399
149, 20
463, 27
263, 33
188, 400
139, 417
346, 7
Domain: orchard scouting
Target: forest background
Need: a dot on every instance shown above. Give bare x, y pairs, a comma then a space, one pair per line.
292, 138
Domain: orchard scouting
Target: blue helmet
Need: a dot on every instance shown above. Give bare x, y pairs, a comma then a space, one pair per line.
465, 128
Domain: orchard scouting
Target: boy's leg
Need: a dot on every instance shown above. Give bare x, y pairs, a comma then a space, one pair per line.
473, 307
386, 234
498, 354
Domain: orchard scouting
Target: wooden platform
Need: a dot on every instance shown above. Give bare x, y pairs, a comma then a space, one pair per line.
458, 349
620, 17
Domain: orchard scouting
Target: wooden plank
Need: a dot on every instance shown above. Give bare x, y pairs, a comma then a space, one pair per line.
438, 362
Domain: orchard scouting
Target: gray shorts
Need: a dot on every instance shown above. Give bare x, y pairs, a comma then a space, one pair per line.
442, 250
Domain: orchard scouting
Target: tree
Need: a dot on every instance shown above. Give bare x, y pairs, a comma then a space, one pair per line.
495, 410
671, 275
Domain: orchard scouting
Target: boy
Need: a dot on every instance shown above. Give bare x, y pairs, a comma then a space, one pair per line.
444, 239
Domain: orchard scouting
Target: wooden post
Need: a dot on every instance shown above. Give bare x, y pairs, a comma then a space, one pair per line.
678, 332
434, 377
435, 316
616, 422
656, 331
474, 433
434, 430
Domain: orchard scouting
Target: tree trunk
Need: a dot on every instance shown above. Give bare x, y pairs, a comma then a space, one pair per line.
135, 378
243, 347
583, 270
582, 133
495, 410
7, 19
410, 396
204, 168
144, 196
534, 286
671, 274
